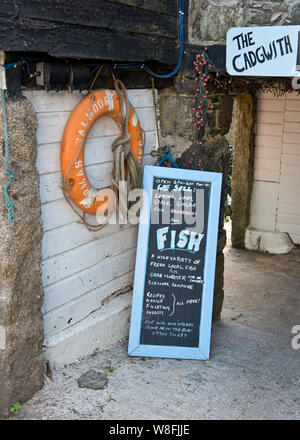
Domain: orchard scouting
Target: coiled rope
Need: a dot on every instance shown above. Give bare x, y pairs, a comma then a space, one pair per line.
125, 165
10, 176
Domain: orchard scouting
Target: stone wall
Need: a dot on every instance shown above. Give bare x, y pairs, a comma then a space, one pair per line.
243, 164
209, 21
21, 293
177, 128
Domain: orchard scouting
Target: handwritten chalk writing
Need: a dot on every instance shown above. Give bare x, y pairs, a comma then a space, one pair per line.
158, 283
186, 239
173, 281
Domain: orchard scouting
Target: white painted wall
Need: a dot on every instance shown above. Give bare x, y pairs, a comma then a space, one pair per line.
83, 271
275, 204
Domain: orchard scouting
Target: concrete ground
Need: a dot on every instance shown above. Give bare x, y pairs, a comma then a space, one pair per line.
253, 372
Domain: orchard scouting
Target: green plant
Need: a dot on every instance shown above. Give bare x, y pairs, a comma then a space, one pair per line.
16, 408
110, 367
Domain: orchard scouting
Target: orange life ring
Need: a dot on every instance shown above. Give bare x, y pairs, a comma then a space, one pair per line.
105, 103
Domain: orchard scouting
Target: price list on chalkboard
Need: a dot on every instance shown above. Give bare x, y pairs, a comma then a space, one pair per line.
175, 263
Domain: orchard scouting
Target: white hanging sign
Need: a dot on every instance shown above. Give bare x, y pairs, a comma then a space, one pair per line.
263, 51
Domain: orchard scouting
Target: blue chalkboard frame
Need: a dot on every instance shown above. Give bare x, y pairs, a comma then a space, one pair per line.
203, 350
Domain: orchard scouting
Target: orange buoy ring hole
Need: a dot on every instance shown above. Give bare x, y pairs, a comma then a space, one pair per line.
93, 106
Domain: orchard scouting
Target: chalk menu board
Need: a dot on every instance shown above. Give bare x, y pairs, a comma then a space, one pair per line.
174, 277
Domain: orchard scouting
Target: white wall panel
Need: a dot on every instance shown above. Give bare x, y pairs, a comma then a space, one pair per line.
82, 270
275, 204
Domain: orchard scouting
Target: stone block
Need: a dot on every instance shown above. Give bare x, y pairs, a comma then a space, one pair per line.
21, 293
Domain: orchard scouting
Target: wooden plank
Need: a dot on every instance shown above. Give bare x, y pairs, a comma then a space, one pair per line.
270, 105
87, 255
269, 130
292, 116
95, 277
268, 141
261, 220
288, 198
8, 7
72, 235
51, 125
68, 8
103, 14
44, 102
76, 41
77, 310
290, 170
267, 117
165, 6
293, 105
97, 151
266, 164
267, 153
291, 222
292, 96
290, 138
264, 190
99, 176
266, 175
288, 208
291, 149
57, 214
292, 127
288, 188
292, 181
263, 205
291, 159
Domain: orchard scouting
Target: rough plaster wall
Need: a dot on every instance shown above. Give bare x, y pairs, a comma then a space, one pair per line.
209, 21
21, 293
87, 276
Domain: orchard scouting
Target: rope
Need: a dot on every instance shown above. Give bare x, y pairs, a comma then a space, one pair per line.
156, 115
8, 202
124, 159
168, 157
95, 78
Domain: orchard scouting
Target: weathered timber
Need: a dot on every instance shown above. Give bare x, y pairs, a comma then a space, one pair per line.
100, 14
66, 40
166, 6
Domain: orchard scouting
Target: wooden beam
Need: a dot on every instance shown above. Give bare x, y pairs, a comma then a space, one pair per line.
100, 14
166, 6
75, 41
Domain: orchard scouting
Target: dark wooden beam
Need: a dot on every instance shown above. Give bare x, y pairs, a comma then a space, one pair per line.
100, 14
76, 41
166, 6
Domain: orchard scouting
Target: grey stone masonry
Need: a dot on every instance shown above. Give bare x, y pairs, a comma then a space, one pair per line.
209, 21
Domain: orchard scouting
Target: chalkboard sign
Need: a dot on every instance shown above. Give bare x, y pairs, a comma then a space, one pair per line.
175, 264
